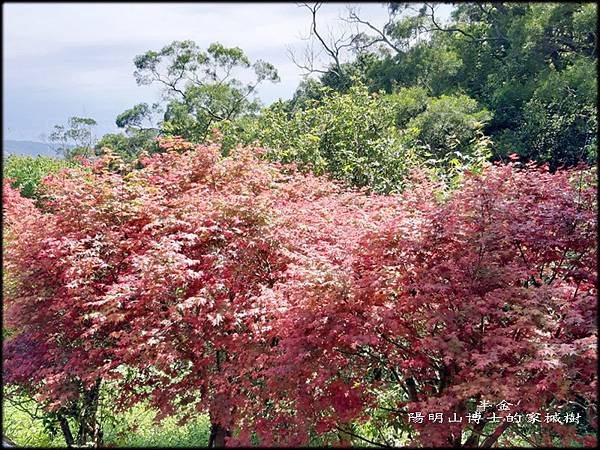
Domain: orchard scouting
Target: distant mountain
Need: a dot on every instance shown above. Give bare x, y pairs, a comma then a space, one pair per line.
27, 148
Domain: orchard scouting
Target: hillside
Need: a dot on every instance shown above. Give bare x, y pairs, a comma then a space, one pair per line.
29, 148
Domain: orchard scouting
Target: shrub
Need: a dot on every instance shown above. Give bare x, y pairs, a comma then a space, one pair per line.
352, 137
291, 309
488, 295
26, 172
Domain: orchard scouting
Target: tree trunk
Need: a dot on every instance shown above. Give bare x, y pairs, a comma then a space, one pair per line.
218, 432
89, 429
491, 440
66, 430
217, 436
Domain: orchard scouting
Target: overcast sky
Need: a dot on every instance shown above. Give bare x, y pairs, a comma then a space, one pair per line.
66, 59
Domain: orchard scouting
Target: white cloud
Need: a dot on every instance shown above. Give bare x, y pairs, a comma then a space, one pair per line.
251, 26
83, 52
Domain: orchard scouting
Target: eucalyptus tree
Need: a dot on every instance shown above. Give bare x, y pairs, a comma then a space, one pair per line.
202, 87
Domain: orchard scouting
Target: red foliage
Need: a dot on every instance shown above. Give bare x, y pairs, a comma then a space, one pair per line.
488, 295
285, 305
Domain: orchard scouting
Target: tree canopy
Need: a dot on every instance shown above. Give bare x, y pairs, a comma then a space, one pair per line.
207, 283
200, 86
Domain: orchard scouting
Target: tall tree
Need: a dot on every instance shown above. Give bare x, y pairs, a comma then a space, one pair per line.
509, 57
76, 138
141, 128
200, 86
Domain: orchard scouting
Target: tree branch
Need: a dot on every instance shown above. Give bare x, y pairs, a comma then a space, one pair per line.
438, 27
354, 18
491, 440
362, 438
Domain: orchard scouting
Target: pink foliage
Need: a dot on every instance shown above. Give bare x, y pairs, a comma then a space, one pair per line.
270, 297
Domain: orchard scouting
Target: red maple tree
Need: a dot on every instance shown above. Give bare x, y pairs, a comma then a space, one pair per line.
487, 295
289, 307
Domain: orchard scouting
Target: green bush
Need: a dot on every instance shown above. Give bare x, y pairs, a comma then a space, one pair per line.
27, 171
129, 146
24, 424
370, 139
408, 102
450, 124
353, 137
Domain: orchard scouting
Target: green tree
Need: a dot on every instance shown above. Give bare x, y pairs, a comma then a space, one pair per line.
533, 66
139, 132
450, 125
26, 172
200, 86
504, 56
76, 138
560, 121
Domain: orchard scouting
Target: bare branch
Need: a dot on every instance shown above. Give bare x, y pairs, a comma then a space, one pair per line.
333, 46
447, 30
438, 27
331, 51
354, 18
309, 57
